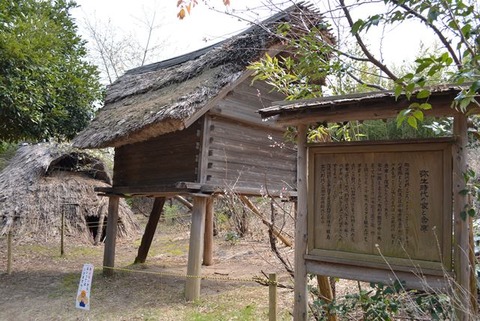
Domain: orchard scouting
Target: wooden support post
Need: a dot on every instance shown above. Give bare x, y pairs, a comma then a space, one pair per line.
208, 241
62, 231
9, 252
325, 293
462, 246
300, 277
150, 229
197, 232
285, 240
272, 294
111, 239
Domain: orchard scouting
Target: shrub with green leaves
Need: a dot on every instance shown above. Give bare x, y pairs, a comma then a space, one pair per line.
386, 303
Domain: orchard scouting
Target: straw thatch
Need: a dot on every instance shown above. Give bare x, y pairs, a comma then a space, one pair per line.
167, 96
44, 180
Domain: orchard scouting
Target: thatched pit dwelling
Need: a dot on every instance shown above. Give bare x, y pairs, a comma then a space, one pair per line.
45, 180
189, 125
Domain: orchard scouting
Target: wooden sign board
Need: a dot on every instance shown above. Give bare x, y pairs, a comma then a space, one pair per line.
381, 205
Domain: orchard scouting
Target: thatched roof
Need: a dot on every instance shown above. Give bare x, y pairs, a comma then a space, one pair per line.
44, 180
167, 96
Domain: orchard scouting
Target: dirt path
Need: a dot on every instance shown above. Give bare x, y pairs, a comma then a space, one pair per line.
43, 285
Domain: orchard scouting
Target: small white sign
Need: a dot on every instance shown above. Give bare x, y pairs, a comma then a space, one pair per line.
83, 293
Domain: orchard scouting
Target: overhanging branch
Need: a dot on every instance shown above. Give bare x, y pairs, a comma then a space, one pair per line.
364, 48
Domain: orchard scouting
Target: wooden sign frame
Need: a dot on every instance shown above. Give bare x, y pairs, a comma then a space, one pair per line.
332, 257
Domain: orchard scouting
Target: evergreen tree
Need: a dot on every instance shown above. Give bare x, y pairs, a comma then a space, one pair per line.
47, 88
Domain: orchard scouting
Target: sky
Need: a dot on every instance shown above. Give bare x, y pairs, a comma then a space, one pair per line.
203, 27
206, 26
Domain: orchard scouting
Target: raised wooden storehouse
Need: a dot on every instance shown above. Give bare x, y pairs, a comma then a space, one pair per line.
189, 125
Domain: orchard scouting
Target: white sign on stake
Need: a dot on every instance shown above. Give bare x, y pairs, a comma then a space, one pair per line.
83, 293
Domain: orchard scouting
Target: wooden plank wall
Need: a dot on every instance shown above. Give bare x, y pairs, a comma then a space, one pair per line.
165, 160
240, 155
244, 102
241, 149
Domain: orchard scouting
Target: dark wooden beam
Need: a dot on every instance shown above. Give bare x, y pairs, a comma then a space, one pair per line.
150, 230
127, 191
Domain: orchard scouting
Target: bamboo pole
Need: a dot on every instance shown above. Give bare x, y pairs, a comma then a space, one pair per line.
9, 252
300, 287
257, 212
272, 294
462, 246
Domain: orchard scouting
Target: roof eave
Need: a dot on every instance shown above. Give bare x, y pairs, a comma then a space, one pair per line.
377, 105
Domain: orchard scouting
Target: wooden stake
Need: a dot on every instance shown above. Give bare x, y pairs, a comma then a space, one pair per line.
257, 212
62, 231
111, 239
325, 292
208, 241
272, 293
197, 232
462, 246
9, 252
150, 229
98, 237
300, 287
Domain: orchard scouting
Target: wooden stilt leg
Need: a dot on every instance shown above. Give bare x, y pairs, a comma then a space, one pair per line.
110, 241
195, 251
150, 229
208, 242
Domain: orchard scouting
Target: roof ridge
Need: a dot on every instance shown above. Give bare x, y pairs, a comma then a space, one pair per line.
177, 60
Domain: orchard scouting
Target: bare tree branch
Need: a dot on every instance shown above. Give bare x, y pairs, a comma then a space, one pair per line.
273, 243
433, 27
462, 36
361, 82
364, 48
